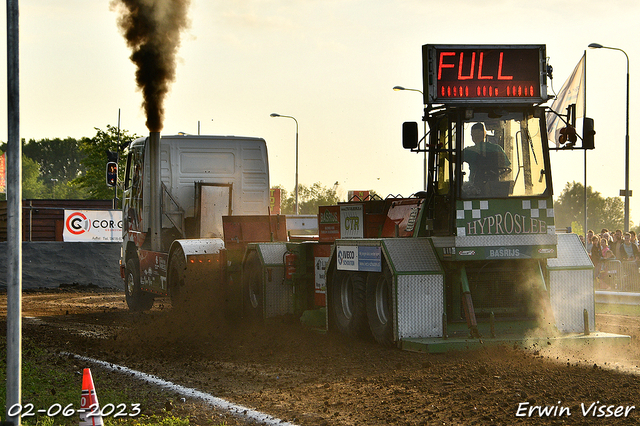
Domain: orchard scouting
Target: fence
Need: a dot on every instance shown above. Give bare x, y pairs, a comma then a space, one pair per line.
42, 220
618, 275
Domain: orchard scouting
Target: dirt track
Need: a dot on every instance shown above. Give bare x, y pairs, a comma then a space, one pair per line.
314, 379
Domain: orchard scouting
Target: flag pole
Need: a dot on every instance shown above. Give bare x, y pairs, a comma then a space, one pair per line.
584, 98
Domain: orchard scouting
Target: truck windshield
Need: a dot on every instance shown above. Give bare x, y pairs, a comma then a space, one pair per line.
502, 156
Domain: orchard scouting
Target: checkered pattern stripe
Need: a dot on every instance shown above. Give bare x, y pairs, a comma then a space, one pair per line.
541, 208
473, 209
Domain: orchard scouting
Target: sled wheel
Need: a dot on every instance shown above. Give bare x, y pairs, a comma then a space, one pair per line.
252, 287
380, 306
348, 294
137, 300
176, 279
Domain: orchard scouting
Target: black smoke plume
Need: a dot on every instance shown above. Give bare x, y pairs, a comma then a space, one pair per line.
152, 30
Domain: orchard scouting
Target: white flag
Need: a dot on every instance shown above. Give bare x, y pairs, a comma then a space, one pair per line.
572, 92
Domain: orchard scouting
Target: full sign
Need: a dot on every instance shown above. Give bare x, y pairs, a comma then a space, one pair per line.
484, 74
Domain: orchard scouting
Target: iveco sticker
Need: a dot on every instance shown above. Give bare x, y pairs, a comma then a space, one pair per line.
365, 258
466, 253
546, 251
347, 258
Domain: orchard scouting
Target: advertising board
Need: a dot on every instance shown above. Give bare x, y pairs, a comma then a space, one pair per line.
359, 258
92, 226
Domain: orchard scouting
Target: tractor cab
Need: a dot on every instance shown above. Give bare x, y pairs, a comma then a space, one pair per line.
482, 154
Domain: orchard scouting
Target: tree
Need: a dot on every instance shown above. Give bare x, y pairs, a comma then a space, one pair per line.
59, 159
59, 162
95, 151
601, 212
309, 198
32, 187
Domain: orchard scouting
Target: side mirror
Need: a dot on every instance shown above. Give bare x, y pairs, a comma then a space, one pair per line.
410, 135
112, 173
588, 134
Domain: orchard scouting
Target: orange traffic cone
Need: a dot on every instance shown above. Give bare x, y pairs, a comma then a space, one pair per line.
89, 408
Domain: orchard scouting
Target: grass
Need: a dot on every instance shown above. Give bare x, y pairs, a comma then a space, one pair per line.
615, 309
53, 382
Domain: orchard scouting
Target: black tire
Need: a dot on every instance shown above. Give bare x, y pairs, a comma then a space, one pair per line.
348, 303
253, 287
380, 306
176, 279
137, 300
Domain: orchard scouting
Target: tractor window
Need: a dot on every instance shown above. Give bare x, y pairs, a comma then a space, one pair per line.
502, 157
446, 138
134, 168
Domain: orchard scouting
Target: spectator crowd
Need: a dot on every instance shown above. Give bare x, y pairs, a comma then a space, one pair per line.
610, 246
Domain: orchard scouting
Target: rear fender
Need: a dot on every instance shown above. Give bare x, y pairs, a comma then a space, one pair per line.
202, 256
200, 246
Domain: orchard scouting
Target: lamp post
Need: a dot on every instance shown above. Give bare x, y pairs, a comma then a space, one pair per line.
397, 88
288, 116
626, 155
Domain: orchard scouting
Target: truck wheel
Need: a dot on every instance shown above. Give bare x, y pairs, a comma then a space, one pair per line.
252, 287
380, 306
137, 300
348, 295
176, 278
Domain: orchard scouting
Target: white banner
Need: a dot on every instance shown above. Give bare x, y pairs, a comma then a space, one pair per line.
92, 225
352, 221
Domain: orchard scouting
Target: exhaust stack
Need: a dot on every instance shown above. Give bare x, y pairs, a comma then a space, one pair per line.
155, 191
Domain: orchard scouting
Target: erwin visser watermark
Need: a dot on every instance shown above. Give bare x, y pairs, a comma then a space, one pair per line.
593, 409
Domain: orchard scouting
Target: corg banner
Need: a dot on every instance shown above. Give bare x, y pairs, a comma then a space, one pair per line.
93, 225
3, 173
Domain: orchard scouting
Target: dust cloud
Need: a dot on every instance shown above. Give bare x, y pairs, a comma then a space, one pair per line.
603, 352
152, 30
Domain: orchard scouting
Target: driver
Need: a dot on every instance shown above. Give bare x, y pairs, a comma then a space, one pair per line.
487, 161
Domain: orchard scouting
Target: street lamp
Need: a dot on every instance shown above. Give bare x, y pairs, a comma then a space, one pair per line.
288, 116
626, 156
398, 88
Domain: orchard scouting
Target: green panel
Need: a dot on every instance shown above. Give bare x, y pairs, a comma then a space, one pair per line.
514, 216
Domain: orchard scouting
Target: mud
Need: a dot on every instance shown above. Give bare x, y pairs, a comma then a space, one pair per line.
310, 378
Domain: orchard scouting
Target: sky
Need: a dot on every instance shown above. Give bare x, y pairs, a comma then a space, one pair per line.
332, 65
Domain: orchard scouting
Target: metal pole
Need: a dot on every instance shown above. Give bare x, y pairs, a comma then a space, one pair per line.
424, 119
156, 191
626, 141
626, 158
115, 187
424, 177
293, 118
297, 205
585, 197
14, 217
584, 112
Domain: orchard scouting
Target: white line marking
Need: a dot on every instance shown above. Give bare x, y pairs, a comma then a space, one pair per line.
234, 409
